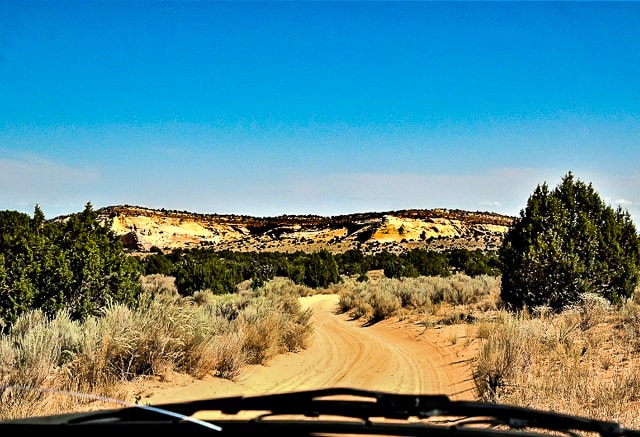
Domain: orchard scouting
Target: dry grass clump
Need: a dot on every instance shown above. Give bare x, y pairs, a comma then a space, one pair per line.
584, 360
450, 300
228, 354
43, 360
158, 284
578, 361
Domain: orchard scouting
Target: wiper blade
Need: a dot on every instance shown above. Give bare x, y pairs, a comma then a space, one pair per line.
366, 405
431, 412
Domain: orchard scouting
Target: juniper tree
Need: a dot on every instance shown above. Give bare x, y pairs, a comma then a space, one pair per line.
76, 264
567, 242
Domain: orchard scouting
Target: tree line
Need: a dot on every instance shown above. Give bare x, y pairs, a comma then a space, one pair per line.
221, 271
80, 265
565, 243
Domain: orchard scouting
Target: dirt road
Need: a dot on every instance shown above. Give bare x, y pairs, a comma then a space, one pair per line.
390, 355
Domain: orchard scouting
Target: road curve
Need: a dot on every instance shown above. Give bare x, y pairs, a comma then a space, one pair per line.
390, 356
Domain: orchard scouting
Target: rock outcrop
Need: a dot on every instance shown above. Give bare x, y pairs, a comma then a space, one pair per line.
143, 229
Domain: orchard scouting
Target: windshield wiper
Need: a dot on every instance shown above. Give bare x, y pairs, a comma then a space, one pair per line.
401, 414
377, 404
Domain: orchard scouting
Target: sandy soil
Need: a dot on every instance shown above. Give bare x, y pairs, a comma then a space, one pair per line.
391, 355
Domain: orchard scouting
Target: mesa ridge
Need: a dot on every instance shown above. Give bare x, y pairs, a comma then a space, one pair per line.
143, 229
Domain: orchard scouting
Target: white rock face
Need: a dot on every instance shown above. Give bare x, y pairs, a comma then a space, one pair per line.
143, 228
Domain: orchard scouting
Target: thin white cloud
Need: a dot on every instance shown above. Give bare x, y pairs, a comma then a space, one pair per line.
30, 180
500, 190
624, 202
493, 204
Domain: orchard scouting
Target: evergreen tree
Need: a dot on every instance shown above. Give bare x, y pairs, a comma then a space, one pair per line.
351, 262
77, 264
17, 290
101, 270
474, 262
203, 269
321, 270
158, 263
567, 242
429, 262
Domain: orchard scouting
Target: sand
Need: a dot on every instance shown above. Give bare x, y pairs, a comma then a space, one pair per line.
392, 355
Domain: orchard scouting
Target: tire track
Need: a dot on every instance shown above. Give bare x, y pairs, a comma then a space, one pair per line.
387, 356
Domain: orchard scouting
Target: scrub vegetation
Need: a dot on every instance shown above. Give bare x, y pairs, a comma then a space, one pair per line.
43, 359
554, 315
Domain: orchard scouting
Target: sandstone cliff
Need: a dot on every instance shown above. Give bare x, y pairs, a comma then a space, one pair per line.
142, 229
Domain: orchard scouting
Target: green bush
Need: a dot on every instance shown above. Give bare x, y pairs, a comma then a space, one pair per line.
75, 264
567, 242
321, 270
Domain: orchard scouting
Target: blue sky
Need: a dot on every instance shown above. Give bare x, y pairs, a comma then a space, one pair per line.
270, 108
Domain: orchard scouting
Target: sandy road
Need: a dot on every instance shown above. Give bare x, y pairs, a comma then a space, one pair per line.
390, 355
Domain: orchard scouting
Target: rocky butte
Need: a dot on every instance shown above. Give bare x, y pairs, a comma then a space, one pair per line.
142, 229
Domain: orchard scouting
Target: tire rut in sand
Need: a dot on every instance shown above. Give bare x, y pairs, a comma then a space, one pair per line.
388, 356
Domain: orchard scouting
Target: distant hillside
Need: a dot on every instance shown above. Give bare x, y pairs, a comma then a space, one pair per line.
396, 231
